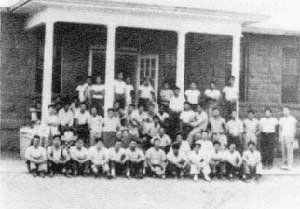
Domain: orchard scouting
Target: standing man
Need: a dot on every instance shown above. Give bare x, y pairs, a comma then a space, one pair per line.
231, 97
120, 90
146, 93
81, 123
176, 107
213, 96
98, 91
234, 129
217, 127
192, 96
268, 126
287, 132
251, 128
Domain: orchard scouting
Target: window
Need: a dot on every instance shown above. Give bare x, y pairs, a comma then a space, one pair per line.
289, 88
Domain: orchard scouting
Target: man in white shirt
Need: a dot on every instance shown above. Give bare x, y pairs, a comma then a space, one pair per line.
135, 160
98, 93
199, 162
80, 158
81, 123
268, 127
111, 125
192, 96
146, 93
120, 90
117, 159
36, 158
217, 126
218, 161
233, 162
187, 116
164, 139
165, 95
231, 96
53, 120
287, 133
251, 128
139, 115
129, 91
156, 160
58, 158
176, 106
82, 91
176, 162
98, 156
66, 117
199, 124
251, 161
95, 125
235, 129
213, 97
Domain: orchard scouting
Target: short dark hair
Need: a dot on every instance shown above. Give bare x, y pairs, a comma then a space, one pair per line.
268, 109
212, 82
178, 133
250, 111
118, 140
176, 146
110, 110
251, 142
176, 88
57, 136
51, 105
155, 139
216, 142
36, 137
232, 77
98, 139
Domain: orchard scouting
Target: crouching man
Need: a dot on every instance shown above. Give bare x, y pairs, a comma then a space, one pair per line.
58, 158
199, 163
117, 159
176, 162
98, 156
156, 160
135, 161
80, 160
36, 158
218, 161
233, 162
251, 162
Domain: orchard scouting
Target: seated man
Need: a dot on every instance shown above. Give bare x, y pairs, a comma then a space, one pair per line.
164, 139
135, 160
156, 160
80, 160
233, 161
58, 158
199, 163
36, 158
117, 159
184, 146
217, 161
98, 156
251, 161
176, 162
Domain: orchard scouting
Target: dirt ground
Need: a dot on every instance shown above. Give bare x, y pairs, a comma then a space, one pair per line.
20, 190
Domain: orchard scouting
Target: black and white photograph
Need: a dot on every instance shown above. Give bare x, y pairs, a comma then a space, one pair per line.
149, 104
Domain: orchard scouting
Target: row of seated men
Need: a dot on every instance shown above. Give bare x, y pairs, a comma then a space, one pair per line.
206, 159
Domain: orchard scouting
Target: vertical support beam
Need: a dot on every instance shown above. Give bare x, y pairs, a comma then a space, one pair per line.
47, 74
110, 67
180, 60
235, 65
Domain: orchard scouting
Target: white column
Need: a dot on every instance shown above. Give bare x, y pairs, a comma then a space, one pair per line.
47, 74
235, 65
180, 60
110, 67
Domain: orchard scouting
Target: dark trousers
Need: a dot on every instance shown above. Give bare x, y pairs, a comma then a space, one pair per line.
144, 102
119, 168
186, 129
229, 107
120, 98
80, 168
218, 169
235, 140
98, 103
56, 167
174, 124
135, 168
174, 170
233, 170
83, 133
267, 145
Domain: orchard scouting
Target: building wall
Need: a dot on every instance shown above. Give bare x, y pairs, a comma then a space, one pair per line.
16, 77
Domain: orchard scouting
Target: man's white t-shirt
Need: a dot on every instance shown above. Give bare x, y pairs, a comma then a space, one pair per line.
288, 126
268, 125
82, 91
176, 103
146, 91
82, 118
231, 93
129, 89
187, 116
120, 87
97, 88
192, 96
95, 123
212, 94
156, 157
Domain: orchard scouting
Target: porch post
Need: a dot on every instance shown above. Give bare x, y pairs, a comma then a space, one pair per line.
235, 65
47, 72
180, 60
109, 67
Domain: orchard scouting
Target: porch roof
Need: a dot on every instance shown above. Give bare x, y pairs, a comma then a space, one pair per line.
163, 7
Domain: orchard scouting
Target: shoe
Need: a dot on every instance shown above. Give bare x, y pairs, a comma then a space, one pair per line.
42, 174
244, 177
51, 174
195, 178
207, 178
163, 176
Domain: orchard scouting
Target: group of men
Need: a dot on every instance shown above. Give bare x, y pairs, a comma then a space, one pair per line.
171, 134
